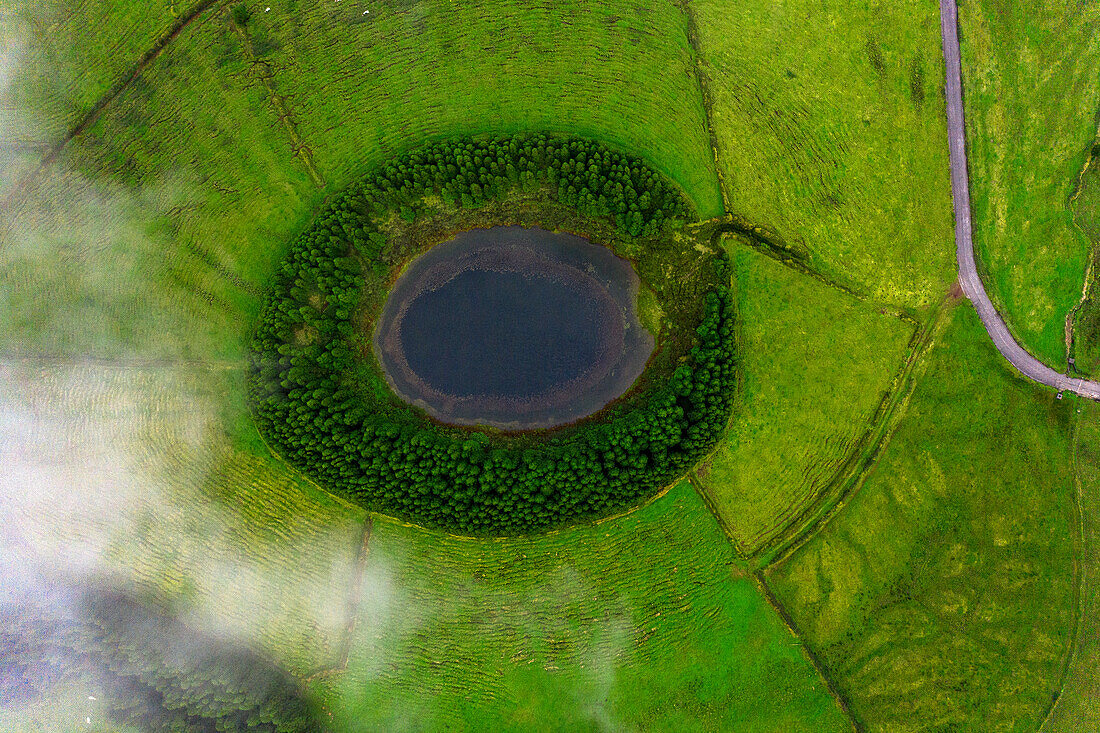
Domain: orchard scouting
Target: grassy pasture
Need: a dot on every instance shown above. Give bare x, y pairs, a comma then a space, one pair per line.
171, 210
815, 362
831, 135
1076, 707
155, 474
1031, 79
164, 218
942, 597
64, 55
364, 87
640, 622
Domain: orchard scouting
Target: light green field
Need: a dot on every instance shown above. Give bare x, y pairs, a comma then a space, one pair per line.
164, 219
831, 134
145, 472
611, 70
65, 55
1031, 78
942, 597
815, 365
639, 623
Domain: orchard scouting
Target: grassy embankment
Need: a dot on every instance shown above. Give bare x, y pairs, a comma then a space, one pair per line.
943, 595
640, 622
1031, 79
1086, 317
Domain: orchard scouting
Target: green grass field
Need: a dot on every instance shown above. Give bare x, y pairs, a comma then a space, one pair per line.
941, 594
70, 54
942, 597
831, 135
178, 498
816, 363
642, 622
1032, 87
1086, 320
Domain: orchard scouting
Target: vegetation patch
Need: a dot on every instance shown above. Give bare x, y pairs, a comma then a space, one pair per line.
638, 623
1031, 79
815, 363
155, 673
310, 371
942, 597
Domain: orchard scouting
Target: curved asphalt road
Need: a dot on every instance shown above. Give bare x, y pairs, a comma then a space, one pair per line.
971, 283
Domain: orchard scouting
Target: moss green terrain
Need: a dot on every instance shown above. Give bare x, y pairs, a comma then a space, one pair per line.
641, 622
959, 570
815, 364
1031, 80
942, 597
831, 135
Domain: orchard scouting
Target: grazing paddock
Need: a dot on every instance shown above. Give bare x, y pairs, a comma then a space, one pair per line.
815, 363
943, 594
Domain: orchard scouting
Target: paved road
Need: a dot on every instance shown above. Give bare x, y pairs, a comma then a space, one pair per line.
971, 283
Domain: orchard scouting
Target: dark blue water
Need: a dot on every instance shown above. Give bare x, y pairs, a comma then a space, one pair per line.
514, 328
507, 334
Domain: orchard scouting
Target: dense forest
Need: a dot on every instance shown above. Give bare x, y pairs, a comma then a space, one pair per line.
153, 672
306, 347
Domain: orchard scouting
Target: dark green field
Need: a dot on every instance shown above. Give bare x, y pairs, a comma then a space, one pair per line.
896, 532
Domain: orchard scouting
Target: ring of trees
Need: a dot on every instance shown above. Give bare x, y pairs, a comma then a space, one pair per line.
309, 353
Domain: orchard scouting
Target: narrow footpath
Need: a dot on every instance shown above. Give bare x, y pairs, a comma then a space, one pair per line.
969, 279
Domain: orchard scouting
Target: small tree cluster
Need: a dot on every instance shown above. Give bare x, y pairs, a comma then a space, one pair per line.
304, 360
590, 177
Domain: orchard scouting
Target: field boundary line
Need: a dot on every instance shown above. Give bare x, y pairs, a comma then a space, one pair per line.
54, 150
853, 471
1081, 542
353, 602
770, 245
1094, 253
703, 81
819, 666
712, 506
265, 73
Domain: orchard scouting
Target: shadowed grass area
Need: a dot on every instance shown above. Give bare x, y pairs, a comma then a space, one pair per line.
639, 622
831, 134
814, 364
1031, 79
942, 597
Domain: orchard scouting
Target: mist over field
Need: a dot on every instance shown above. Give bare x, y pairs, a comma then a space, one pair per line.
894, 530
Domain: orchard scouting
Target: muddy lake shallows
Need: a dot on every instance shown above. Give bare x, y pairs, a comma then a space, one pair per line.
515, 328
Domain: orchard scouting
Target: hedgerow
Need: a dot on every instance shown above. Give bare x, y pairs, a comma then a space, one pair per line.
306, 350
